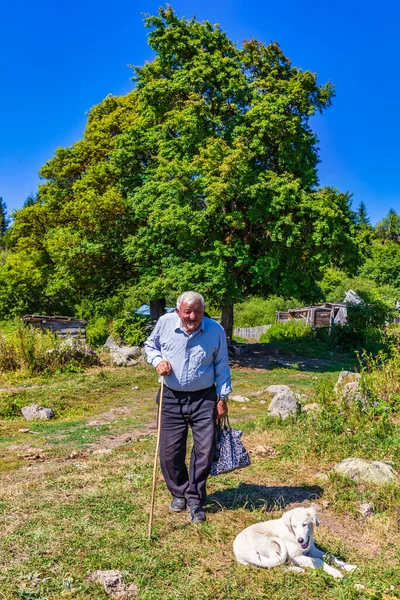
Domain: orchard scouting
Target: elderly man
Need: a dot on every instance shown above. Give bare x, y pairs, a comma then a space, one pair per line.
190, 351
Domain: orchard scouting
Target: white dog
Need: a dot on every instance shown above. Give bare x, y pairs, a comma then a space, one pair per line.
288, 539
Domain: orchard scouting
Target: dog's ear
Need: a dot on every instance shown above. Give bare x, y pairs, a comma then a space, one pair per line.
287, 520
312, 513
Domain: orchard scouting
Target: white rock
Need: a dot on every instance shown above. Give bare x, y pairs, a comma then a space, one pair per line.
113, 584
377, 472
34, 411
366, 508
237, 398
122, 356
283, 406
346, 377
278, 389
262, 402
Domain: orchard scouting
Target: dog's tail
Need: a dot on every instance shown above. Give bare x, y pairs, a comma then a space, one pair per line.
271, 556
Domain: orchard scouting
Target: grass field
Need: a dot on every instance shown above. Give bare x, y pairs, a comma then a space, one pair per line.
75, 493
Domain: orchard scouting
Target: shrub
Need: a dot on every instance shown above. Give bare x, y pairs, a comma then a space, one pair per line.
292, 331
97, 331
131, 328
259, 311
365, 328
25, 348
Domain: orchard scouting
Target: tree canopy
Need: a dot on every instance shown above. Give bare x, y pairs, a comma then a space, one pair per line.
204, 177
389, 228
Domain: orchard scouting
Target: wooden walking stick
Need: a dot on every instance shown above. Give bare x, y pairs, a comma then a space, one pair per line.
156, 456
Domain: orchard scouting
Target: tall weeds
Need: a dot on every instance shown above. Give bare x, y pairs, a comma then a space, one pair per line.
30, 350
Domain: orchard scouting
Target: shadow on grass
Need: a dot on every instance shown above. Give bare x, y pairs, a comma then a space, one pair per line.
252, 496
290, 356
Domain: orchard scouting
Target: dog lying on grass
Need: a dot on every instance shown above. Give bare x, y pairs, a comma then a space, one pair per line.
288, 539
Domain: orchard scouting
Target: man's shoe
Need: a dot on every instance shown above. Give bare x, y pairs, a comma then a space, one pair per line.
178, 504
197, 514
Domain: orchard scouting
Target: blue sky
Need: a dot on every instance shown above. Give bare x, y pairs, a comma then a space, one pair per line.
60, 58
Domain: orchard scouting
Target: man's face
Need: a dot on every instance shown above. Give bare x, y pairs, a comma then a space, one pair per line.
191, 315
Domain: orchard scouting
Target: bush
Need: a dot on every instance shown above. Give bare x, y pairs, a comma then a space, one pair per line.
131, 328
336, 283
365, 328
292, 331
259, 311
25, 348
97, 331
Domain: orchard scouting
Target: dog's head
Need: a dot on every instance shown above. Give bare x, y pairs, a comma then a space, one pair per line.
300, 522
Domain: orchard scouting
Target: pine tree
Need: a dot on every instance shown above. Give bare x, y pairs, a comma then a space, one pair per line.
4, 220
362, 215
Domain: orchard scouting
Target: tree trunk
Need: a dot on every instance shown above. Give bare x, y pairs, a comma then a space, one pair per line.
157, 308
227, 320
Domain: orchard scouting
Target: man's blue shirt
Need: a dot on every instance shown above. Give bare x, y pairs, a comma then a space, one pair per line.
198, 360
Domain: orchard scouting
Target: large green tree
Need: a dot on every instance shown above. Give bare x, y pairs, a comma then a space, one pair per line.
204, 176
220, 172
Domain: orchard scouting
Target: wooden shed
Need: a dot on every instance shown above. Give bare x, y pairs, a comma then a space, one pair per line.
62, 326
320, 315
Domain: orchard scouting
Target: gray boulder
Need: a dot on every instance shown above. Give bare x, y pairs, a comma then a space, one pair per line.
122, 356
278, 389
34, 411
346, 377
363, 471
283, 406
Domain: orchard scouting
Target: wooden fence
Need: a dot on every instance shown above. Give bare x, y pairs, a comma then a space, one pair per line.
250, 333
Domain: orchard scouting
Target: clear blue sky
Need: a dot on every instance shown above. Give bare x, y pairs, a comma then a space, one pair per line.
60, 58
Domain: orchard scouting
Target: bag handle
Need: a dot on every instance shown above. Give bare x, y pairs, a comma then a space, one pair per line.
223, 423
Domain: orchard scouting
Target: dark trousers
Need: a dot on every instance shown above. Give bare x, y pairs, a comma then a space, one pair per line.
179, 411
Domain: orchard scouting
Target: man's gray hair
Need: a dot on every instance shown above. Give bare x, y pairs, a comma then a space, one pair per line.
189, 298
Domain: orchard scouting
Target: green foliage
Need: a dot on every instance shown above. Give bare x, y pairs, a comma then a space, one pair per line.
292, 331
381, 382
389, 228
336, 283
132, 329
203, 177
4, 220
383, 266
25, 348
363, 219
97, 331
364, 329
259, 311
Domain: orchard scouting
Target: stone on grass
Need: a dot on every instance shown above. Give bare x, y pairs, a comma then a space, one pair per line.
283, 406
346, 377
278, 389
366, 509
113, 585
264, 451
363, 471
34, 411
122, 356
237, 398
351, 390
313, 407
